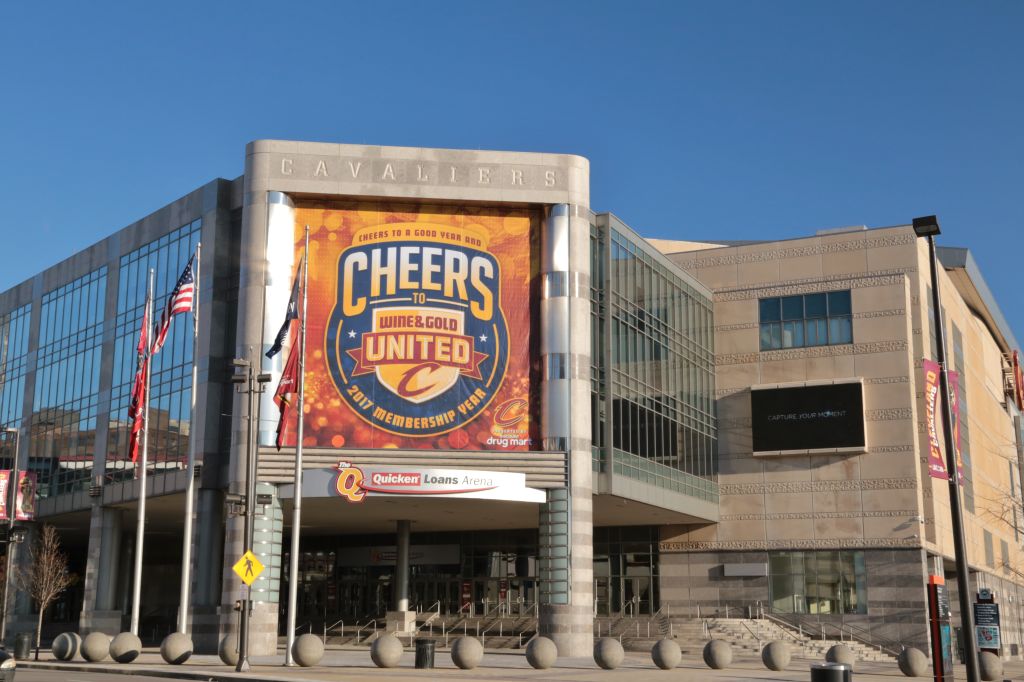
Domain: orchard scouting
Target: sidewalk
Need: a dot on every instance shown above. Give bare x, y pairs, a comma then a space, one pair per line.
502, 666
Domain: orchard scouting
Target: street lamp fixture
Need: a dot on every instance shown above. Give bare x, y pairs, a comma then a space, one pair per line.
927, 227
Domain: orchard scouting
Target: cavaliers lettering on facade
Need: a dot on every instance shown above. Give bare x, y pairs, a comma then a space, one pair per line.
423, 319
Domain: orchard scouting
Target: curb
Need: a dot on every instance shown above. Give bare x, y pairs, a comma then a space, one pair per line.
128, 669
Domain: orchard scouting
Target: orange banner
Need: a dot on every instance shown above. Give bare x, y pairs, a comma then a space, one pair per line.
420, 326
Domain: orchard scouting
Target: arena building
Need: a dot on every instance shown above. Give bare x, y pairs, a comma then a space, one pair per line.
512, 409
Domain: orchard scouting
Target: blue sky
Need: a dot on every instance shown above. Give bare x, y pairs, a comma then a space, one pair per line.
701, 120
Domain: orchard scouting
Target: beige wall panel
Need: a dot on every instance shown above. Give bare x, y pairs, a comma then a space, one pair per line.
846, 366
888, 465
735, 376
845, 527
736, 312
719, 276
837, 501
736, 341
890, 433
786, 469
736, 531
783, 371
742, 504
844, 263
788, 503
888, 396
737, 444
888, 328
740, 468
873, 299
892, 257
885, 364
800, 267
790, 529
761, 272
835, 467
891, 526
883, 499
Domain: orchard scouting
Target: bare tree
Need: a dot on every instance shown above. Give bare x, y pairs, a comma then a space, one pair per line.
46, 575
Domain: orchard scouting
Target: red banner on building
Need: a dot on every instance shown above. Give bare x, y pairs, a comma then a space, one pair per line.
936, 462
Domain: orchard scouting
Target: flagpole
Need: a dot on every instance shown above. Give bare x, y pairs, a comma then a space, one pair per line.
190, 468
293, 563
140, 525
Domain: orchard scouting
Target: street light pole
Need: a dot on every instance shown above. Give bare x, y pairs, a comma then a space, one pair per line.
928, 226
12, 500
254, 384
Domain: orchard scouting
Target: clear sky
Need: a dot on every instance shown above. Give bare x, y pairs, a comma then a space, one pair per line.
707, 120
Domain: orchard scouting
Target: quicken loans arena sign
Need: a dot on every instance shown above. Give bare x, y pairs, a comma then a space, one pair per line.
421, 320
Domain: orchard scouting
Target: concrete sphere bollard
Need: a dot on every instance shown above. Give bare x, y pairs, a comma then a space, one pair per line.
467, 652
775, 655
541, 653
840, 653
666, 654
386, 651
125, 648
608, 653
95, 647
228, 650
717, 654
307, 650
990, 667
66, 646
913, 662
176, 648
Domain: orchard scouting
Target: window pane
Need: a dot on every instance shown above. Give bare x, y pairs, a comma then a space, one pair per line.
816, 332
840, 330
839, 303
770, 311
815, 305
793, 335
793, 308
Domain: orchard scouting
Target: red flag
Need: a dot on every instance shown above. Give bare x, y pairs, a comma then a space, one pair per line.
287, 388
137, 408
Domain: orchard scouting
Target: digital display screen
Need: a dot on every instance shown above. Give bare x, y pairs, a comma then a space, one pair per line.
814, 417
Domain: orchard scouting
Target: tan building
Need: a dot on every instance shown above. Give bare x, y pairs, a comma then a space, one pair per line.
829, 514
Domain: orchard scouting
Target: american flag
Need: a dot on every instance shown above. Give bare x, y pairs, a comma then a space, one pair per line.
180, 301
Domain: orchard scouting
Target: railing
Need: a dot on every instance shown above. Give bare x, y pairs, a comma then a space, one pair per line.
431, 607
363, 627
845, 632
483, 635
332, 626
308, 624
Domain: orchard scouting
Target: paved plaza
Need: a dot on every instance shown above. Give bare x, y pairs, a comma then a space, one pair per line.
349, 663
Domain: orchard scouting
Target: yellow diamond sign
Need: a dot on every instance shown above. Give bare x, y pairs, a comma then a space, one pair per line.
248, 568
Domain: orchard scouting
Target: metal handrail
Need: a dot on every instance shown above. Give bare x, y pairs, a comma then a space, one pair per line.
860, 635
340, 622
431, 607
364, 626
308, 622
501, 630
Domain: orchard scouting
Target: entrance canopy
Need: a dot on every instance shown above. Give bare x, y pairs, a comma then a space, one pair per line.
372, 498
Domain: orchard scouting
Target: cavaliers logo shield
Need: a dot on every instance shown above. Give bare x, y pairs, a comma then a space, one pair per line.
417, 343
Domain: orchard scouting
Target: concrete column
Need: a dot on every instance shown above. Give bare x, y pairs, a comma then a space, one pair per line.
208, 547
100, 610
402, 567
254, 276
566, 520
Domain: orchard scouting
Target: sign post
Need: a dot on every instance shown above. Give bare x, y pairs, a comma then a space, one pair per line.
940, 628
986, 622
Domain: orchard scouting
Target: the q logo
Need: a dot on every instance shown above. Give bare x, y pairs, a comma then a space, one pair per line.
510, 412
349, 482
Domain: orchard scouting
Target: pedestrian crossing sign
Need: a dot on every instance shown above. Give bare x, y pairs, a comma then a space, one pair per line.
248, 568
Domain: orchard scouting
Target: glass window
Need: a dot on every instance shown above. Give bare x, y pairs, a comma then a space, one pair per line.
808, 320
818, 582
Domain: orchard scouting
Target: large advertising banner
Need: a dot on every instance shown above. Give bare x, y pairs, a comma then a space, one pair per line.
419, 326
5, 492
811, 417
26, 497
936, 462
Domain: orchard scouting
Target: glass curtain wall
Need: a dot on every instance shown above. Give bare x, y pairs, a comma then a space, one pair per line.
171, 381
652, 368
66, 399
13, 367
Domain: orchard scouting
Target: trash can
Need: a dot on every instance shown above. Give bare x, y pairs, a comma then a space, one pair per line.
424, 653
22, 646
831, 672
